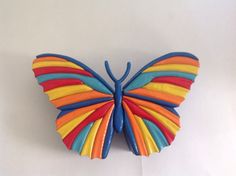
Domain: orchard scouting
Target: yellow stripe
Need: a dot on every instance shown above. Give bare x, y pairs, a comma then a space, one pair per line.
88, 145
67, 90
168, 88
174, 67
166, 122
149, 141
68, 127
55, 64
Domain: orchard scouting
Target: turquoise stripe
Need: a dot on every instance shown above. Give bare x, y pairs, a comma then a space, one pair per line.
80, 139
145, 78
157, 135
91, 82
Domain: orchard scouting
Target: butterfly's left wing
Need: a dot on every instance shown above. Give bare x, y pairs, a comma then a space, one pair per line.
85, 122
150, 121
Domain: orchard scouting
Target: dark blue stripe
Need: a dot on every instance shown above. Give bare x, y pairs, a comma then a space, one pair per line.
81, 65
171, 110
64, 113
129, 136
108, 139
160, 102
85, 103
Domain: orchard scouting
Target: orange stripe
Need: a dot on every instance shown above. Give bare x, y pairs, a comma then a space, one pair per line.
137, 132
174, 118
78, 98
41, 59
73, 114
179, 60
101, 134
158, 95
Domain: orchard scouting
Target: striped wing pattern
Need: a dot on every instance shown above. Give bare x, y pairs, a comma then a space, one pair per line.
85, 122
151, 122
165, 80
85, 100
87, 130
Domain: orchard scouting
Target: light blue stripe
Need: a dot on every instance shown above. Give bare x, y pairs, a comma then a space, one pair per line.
167, 56
91, 82
80, 139
145, 78
157, 135
79, 64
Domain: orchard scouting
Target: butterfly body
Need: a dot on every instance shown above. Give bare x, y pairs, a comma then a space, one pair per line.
118, 111
91, 110
118, 94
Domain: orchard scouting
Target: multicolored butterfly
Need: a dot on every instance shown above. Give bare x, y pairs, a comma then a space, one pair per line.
91, 110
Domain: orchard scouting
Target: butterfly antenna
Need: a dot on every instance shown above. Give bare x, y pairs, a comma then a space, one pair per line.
126, 72
112, 76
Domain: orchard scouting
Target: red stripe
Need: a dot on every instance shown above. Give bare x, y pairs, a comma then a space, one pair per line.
143, 114
183, 82
47, 70
51, 84
97, 114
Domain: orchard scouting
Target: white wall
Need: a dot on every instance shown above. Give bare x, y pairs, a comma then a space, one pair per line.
135, 30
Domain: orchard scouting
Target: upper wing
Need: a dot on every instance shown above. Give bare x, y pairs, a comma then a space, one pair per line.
85, 100
68, 83
149, 99
165, 80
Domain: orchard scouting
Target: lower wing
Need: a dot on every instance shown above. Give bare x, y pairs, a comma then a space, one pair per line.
88, 130
148, 127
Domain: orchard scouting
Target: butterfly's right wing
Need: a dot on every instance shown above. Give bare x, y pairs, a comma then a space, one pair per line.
85, 100
151, 122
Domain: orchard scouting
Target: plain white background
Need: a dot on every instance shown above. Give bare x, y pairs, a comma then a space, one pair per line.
120, 31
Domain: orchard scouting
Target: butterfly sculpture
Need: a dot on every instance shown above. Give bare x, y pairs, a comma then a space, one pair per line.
91, 111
